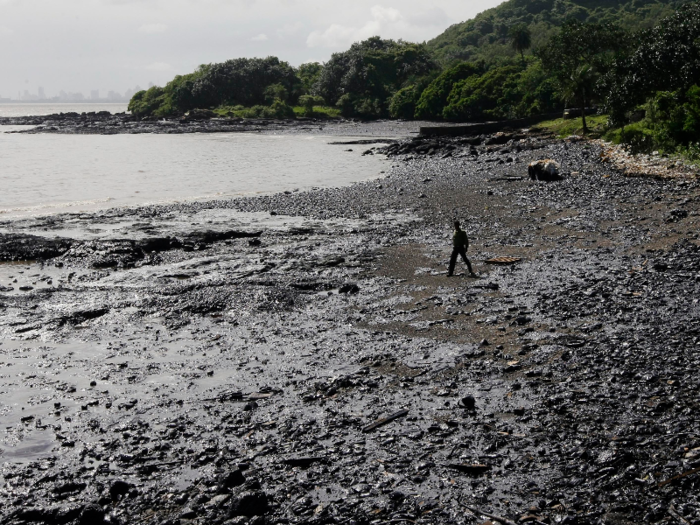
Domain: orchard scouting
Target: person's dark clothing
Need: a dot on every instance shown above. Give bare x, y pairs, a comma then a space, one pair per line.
459, 250
460, 239
460, 242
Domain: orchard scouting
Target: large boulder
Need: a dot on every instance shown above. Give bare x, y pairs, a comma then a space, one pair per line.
545, 170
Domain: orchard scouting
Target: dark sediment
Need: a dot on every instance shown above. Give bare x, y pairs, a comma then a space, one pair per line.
328, 371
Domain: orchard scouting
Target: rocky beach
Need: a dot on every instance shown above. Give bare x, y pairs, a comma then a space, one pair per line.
303, 357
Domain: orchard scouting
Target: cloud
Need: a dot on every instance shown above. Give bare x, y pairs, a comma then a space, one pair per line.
159, 66
385, 14
262, 37
289, 30
6, 31
387, 22
337, 35
152, 29
433, 17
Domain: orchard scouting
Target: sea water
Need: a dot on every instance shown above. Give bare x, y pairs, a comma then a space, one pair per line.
52, 173
28, 109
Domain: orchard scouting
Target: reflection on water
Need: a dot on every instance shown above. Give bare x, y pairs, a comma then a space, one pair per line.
53, 173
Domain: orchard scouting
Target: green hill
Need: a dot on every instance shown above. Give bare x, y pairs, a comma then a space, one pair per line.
486, 36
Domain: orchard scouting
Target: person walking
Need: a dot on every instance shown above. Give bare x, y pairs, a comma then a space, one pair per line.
460, 245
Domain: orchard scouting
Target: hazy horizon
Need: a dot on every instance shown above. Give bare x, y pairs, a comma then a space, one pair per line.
86, 45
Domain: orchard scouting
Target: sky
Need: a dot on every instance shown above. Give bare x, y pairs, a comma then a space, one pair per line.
85, 45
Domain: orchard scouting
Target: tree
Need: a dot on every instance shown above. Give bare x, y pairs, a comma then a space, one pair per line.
403, 103
434, 98
308, 74
667, 58
308, 102
520, 39
243, 81
578, 51
275, 92
579, 86
362, 80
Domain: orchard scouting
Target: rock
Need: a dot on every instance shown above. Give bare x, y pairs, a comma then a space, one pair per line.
676, 215
544, 170
119, 488
469, 402
187, 514
201, 114
20, 247
92, 514
251, 503
231, 479
350, 289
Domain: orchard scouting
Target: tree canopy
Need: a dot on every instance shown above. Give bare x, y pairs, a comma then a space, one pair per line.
667, 58
242, 81
487, 36
520, 38
363, 79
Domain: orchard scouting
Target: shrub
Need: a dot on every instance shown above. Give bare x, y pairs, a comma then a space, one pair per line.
308, 102
403, 103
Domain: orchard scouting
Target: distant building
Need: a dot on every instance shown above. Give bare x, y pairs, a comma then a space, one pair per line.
29, 97
42, 95
95, 94
70, 97
131, 92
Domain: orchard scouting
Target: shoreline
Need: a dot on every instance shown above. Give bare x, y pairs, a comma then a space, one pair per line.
239, 363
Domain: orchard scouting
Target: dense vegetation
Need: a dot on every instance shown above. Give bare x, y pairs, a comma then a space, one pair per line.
637, 59
487, 36
243, 81
362, 80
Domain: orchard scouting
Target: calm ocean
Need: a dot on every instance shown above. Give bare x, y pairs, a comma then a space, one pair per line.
43, 174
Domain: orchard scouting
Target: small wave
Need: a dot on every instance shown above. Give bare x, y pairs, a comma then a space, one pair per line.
60, 205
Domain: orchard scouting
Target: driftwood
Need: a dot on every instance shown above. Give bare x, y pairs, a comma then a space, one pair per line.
383, 421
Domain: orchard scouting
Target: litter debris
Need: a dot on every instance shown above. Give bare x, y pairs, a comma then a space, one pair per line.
503, 260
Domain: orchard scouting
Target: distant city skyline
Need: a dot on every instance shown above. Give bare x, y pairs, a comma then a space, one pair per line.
63, 96
77, 46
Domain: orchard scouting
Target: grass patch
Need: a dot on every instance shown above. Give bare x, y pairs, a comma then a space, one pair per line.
597, 126
319, 112
268, 112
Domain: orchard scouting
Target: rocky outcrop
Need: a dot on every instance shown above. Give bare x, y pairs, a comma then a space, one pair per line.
22, 247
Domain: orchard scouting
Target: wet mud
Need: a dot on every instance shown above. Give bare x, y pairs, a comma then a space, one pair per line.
304, 358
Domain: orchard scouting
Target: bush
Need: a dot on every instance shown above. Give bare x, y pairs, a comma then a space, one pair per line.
638, 138
308, 102
403, 103
671, 124
148, 102
280, 109
492, 95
